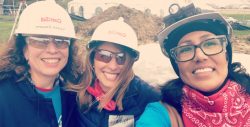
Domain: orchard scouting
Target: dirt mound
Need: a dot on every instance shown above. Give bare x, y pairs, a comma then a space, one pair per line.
241, 45
146, 25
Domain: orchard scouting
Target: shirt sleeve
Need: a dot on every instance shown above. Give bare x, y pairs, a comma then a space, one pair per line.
155, 115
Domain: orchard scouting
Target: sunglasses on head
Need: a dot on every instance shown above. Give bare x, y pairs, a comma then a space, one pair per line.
106, 56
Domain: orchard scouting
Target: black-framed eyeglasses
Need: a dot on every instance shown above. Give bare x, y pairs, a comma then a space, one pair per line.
209, 47
42, 42
106, 56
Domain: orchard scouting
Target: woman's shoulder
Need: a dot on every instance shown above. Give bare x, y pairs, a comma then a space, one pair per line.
155, 115
5, 83
7, 87
10, 87
139, 85
157, 107
138, 80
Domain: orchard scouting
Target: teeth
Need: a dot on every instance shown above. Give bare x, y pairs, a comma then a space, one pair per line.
51, 61
203, 70
110, 76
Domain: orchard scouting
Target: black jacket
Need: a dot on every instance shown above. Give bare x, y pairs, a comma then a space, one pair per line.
22, 106
138, 95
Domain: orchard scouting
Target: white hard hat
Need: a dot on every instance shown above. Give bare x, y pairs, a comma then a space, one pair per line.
213, 16
45, 18
118, 32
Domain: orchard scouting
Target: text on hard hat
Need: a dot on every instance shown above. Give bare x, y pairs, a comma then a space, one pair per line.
49, 19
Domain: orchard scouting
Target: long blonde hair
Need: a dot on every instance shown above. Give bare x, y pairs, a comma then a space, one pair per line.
117, 93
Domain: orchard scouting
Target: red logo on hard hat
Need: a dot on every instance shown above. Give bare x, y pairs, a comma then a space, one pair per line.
49, 19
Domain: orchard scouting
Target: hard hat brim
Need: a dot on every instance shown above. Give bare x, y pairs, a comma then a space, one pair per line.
211, 15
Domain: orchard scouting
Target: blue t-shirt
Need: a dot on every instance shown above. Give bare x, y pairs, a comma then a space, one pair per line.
155, 115
55, 95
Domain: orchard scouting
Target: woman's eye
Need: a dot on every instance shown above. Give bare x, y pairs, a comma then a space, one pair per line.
185, 50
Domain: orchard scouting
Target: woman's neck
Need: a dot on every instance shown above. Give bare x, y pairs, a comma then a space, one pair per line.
104, 89
43, 81
216, 90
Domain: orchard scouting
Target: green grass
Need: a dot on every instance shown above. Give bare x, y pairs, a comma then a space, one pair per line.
241, 32
6, 23
239, 16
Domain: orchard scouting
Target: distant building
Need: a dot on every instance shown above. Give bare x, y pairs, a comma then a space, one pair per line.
1, 7
10, 7
245, 6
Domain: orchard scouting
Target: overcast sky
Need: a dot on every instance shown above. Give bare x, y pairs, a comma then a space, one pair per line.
168, 2
224, 2
156, 5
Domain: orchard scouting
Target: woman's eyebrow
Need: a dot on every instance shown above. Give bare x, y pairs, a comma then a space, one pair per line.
189, 41
205, 36
185, 42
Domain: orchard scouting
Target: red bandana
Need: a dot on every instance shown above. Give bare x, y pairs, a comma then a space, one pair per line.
229, 107
97, 92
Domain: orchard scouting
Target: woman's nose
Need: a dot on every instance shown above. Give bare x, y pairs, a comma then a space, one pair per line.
199, 55
113, 64
52, 48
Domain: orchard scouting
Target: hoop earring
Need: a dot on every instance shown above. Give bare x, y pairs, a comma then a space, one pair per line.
93, 68
27, 60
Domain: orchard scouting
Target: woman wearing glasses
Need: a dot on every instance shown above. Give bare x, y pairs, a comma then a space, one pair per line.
210, 90
111, 95
35, 68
